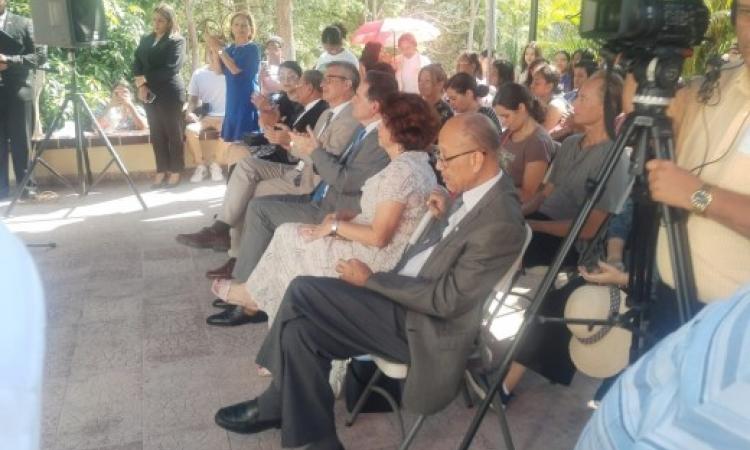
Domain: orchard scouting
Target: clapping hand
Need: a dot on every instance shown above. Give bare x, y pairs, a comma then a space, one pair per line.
353, 271
279, 134
305, 143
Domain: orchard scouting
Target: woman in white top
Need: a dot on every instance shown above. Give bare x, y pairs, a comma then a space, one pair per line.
409, 63
333, 45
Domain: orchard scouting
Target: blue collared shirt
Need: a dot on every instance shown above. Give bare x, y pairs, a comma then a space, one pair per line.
690, 392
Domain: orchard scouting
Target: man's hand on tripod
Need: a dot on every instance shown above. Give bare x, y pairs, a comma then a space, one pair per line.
670, 184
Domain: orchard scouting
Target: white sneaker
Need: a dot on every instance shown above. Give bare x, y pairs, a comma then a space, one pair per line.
199, 174
216, 174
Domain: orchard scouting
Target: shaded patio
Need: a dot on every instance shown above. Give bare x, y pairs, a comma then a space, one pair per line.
132, 365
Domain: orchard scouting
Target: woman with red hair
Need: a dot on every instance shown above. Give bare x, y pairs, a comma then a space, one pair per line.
393, 202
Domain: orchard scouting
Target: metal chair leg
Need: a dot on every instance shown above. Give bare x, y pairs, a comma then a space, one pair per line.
466, 394
507, 438
412, 433
394, 406
363, 398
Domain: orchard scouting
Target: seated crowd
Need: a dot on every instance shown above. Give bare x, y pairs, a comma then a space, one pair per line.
321, 218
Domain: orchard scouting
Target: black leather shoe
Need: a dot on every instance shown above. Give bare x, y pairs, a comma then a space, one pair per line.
219, 303
244, 418
231, 317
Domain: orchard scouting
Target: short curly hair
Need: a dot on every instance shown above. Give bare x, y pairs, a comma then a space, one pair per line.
412, 122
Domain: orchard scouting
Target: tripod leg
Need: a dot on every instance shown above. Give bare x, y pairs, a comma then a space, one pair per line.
38, 152
112, 151
675, 220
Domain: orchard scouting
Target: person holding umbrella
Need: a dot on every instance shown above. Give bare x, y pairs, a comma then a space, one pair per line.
409, 63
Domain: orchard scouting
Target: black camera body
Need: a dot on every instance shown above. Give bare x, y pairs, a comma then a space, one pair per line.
652, 37
645, 23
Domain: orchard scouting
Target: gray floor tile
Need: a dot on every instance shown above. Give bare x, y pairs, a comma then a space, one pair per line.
211, 437
102, 410
131, 365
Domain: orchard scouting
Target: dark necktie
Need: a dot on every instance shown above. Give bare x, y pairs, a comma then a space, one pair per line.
329, 117
432, 236
322, 189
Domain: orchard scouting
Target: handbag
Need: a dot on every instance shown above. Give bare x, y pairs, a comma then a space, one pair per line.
358, 374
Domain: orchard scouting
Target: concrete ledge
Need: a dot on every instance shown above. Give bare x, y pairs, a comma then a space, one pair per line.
134, 147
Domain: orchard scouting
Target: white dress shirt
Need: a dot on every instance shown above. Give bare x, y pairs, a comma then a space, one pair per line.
470, 198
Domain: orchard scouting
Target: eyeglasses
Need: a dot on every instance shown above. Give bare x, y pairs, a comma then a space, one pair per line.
329, 78
445, 160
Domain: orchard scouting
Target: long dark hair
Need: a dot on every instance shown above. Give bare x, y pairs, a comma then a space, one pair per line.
473, 59
537, 53
505, 71
168, 13
371, 54
333, 35
513, 95
463, 82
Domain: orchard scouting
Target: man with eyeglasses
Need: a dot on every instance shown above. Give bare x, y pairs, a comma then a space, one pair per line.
342, 177
426, 312
257, 177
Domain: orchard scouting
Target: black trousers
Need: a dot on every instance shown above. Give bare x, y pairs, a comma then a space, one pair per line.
319, 320
165, 124
16, 127
543, 247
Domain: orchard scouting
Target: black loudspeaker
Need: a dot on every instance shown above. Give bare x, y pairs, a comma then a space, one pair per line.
69, 23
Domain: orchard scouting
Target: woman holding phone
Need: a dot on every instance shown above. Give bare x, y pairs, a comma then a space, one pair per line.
158, 61
240, 62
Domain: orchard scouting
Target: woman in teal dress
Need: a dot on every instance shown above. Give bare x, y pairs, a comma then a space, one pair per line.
240, 62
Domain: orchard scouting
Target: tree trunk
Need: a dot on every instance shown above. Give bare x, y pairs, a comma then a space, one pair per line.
490, 35
474, 6
285, 27
195, 59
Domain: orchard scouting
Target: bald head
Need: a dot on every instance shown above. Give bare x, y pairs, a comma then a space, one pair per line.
469, 144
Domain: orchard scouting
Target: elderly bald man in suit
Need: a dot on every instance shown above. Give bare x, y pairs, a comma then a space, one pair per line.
425, 313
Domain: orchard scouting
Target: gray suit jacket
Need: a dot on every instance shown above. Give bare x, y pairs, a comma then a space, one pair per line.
346, 180
444, 302
335, 139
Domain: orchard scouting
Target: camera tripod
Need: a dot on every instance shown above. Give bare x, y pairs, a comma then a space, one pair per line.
649, 132
85, 179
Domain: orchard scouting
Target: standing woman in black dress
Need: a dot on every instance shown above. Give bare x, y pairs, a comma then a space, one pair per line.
158, 61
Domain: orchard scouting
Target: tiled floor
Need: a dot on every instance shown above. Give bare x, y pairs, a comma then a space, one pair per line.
131, 364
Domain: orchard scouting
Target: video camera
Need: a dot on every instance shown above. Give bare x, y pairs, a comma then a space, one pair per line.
645, 23
653, 38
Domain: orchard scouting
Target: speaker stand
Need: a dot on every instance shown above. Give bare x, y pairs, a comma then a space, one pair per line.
85, 179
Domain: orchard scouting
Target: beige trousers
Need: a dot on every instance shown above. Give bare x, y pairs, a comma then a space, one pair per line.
252, 178
192, 137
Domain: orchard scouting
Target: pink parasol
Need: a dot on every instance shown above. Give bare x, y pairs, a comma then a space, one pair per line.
387, 31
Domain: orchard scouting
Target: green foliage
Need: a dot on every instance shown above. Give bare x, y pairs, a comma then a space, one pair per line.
100, 67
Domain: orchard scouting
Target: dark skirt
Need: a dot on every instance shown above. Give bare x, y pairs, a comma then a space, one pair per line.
545, 347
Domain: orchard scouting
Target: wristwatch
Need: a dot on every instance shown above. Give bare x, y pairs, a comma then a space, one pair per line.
334, 228
701, 198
